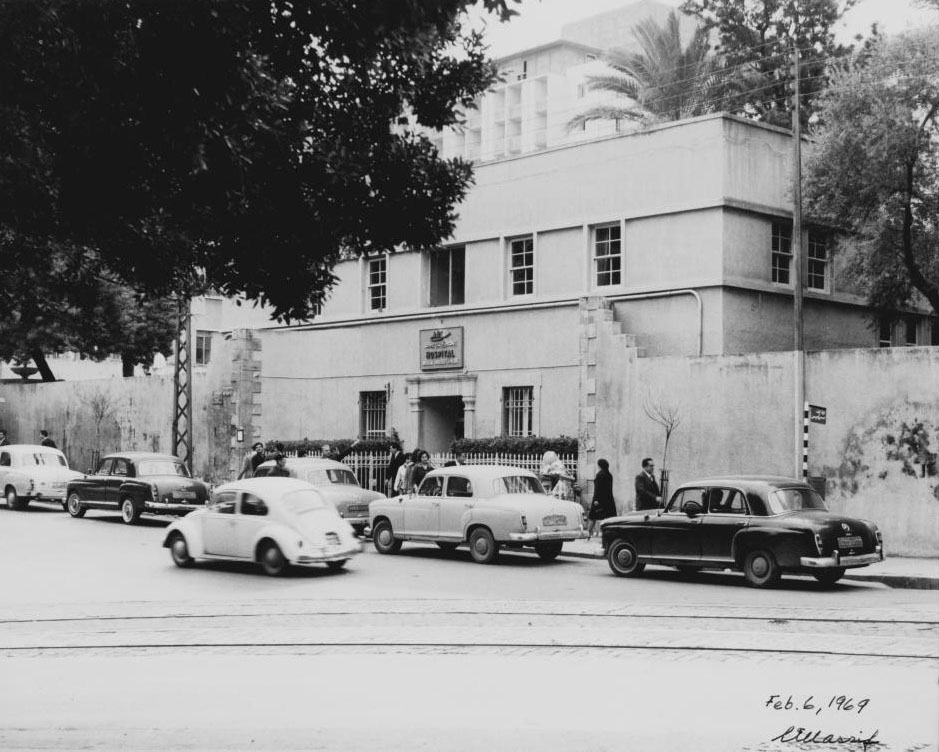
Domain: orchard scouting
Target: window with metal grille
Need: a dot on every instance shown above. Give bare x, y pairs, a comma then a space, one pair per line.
377, 284
818, 261
372, 408
517, 410
447, 276
607, 254
522, 266
203, 348
781, 252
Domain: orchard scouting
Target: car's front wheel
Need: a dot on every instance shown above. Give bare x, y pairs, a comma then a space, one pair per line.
829, 576
129, 512
13, 500
383, 537
760, 568
74, 505
549, 550
179, 550
335, 566
483, 547
272, 560
624, 559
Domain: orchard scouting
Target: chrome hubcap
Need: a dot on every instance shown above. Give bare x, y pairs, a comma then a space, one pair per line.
759, 566
179, 549
624, 558
482, 546
384, 537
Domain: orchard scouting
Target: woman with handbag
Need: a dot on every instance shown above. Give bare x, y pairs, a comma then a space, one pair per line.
602, 505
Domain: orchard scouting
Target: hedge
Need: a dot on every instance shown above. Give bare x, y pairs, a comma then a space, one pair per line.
303, 447
516, 445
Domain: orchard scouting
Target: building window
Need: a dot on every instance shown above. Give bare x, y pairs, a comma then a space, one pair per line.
782, 252
608, 255
934, 333
522, 266
377, 284
517, 410
818, 261
203, 348
885, 337
372, 407
447, 276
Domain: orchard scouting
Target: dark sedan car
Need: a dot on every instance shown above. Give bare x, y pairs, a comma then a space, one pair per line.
762, 525
135, 483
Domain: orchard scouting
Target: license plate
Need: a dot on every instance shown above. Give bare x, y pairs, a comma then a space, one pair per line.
554, 520
850, 541
184, 495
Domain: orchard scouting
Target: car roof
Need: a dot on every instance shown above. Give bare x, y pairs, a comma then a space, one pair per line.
265, 485
482, 471
136, 456
746, 481
321, 462
31, 448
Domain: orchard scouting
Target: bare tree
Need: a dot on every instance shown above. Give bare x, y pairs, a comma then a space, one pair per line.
669, 417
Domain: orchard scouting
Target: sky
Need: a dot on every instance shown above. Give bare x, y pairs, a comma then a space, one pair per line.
540, 21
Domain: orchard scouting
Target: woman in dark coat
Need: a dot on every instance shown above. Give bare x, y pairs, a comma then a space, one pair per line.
603, 505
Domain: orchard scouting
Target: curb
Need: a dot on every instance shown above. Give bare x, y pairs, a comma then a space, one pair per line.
899, 581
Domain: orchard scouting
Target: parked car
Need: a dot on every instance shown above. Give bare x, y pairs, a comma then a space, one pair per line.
486, 506
33, 472
136, 483
276, 522
335, 481
762, 525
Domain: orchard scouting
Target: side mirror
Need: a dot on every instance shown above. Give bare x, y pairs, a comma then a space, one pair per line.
693, 509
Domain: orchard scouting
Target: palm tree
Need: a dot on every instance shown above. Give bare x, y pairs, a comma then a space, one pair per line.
663, 81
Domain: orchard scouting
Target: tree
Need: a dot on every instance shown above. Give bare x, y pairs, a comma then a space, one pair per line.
234, 144
756, 38
874, 169
665, 80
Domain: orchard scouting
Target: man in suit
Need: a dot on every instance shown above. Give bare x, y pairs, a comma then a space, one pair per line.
395, 461
648, 495
46, 440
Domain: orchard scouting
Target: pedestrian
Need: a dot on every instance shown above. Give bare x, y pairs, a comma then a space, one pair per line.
45, 440
395, 461
603, 505
3, 437
421, 467
403, 475
648, 495
460, 460
554, 475
252, 461
280, 467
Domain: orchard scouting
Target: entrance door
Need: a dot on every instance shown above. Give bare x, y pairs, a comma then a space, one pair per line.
442, 422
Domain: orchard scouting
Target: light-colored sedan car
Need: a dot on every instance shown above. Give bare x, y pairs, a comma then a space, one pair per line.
485, 506
276, 522
335, 481
33, 471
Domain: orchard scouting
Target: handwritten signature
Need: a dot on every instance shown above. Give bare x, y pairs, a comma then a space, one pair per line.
798, 734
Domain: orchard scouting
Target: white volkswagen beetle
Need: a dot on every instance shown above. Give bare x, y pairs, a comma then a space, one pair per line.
33, 471
486, 506
276, 522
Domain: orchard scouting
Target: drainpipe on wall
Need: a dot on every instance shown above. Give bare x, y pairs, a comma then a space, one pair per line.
668, 294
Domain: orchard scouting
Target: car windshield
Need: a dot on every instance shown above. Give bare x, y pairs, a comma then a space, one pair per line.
303, 501
339, 475
44, 458
793, 500
162, 467
517, 484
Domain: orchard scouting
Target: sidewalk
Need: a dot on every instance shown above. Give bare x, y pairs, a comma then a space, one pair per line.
896, 572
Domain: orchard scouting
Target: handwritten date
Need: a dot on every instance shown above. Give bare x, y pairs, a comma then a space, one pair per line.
833, 703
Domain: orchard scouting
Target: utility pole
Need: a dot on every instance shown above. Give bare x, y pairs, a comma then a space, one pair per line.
182, 385
797, 263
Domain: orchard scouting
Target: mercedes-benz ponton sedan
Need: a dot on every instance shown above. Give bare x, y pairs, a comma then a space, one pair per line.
33, 472
761, 525
484, 506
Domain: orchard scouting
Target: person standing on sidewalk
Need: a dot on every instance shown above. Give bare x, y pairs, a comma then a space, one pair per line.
602, 505
46, 440
648, 495
252, 461
395, 460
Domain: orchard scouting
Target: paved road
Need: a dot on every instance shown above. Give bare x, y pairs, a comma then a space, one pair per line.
105, 645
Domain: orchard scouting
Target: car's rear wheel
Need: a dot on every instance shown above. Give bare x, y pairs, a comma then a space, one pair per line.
335, 566
384, 538
623, 559
129, 512
829, 576
179, 550
13, 501
549, 550
483, 547
74, 505
447, 545
272, 560
760, 568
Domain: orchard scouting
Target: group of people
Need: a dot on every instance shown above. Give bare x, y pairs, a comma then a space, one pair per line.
648, 493
44, 439
406, 470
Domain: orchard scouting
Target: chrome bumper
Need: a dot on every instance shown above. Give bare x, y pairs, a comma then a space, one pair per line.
171, 507
837, 560
563, 535
332, 554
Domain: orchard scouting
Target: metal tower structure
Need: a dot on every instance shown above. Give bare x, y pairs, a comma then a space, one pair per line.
182, 385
